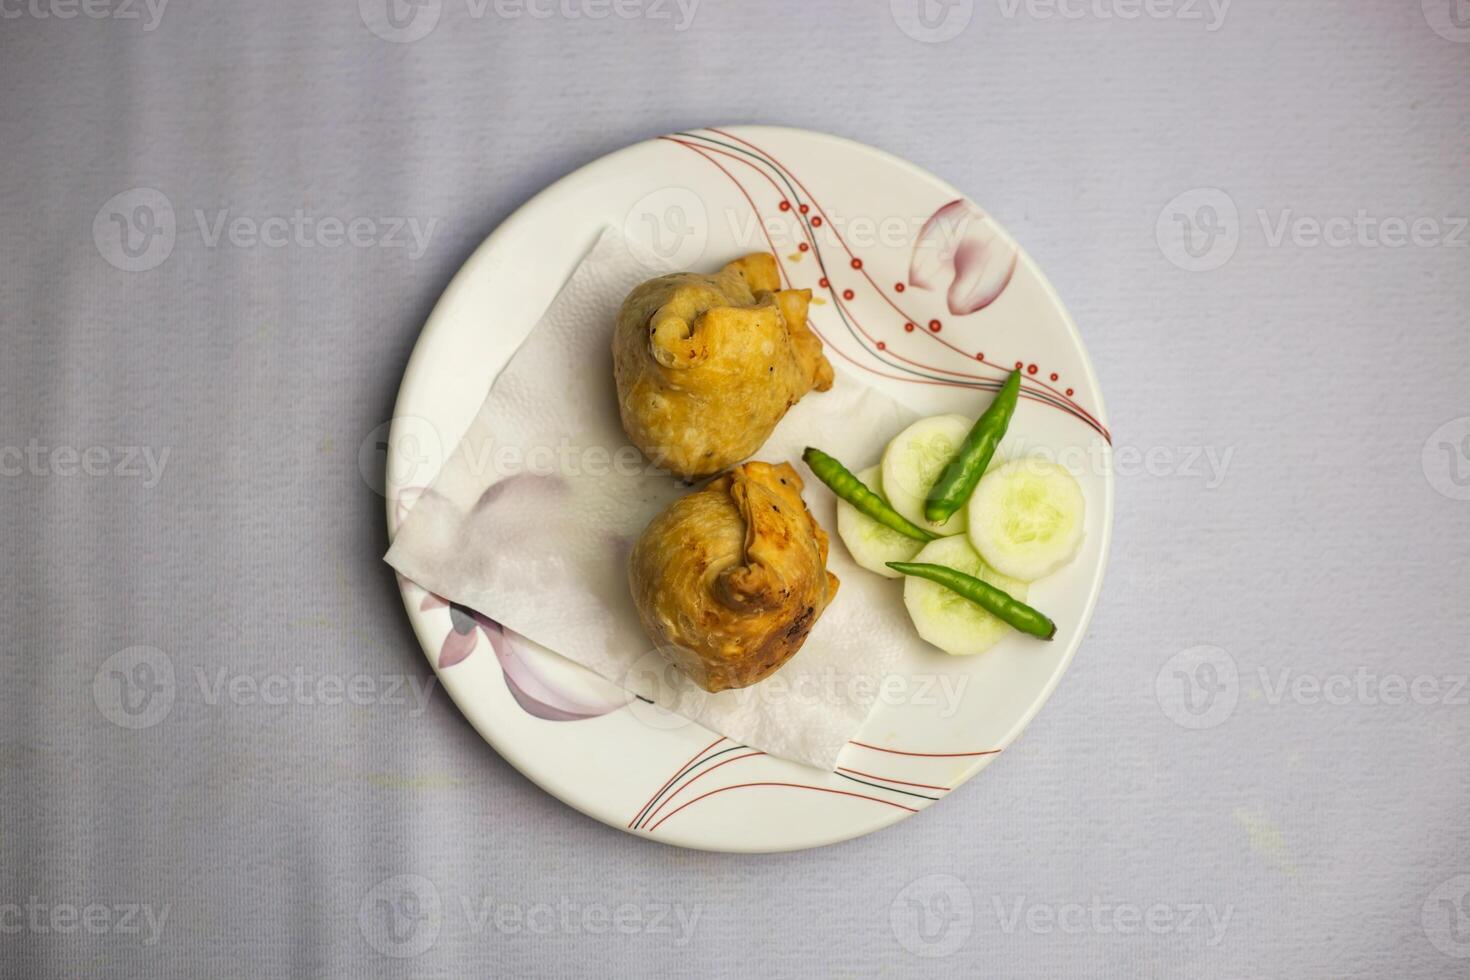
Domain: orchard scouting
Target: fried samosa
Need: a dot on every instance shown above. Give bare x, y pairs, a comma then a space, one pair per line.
707, 365
728, 581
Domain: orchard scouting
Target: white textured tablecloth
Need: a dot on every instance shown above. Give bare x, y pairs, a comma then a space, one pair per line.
219, 746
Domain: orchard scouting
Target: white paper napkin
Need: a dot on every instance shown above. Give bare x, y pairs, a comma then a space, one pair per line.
533, 516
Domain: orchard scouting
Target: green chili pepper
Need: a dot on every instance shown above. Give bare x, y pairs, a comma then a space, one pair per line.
851, 489
958, 480
997, 602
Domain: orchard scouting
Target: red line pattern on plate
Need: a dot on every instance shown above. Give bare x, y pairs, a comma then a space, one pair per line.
923, 755
671, 779
890, 779
819, 789
705, 151
695, 779
1065, 401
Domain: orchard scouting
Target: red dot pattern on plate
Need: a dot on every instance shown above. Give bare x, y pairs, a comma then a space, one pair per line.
1069, 392
934, 325
1031, 369
898, 287
803, 247
1053, 375
847, 294
857, 263
908, 328
980, 356
823, 282
882, 346
804, 209
1019, 365
785, 205
817, 221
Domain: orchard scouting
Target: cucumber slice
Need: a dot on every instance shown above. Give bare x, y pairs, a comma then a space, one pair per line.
1026, 518
946, 619
872, 544
913, 463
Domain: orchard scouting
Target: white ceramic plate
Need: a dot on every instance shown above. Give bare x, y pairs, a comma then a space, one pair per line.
846, 221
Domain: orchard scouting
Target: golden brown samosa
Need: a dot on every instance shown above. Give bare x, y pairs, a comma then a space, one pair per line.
707, 365
728, 581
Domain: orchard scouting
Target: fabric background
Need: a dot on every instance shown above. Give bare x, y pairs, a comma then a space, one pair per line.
1329, 383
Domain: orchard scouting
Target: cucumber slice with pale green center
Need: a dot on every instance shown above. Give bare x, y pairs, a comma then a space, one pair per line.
1026, 518
871, 544
947, 619
913, 463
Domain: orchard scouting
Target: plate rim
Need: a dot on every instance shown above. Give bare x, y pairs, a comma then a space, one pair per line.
511, 226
